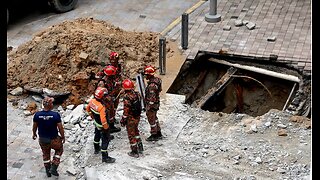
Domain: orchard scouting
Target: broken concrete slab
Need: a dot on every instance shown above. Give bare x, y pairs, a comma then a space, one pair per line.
52, 93
37, 98
34, 89
75, 116
17, 91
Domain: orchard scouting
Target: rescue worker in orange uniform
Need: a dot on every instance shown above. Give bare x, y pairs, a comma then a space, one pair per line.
152, 100
114, 61
109, 105
131, 117
113, 86
48, 123
97, 110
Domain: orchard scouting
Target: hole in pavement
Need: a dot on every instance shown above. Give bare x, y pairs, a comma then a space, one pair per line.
235, 84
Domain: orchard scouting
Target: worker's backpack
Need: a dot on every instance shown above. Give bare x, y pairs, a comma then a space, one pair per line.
136, 106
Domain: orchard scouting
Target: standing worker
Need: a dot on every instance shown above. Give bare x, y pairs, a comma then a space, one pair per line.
131, 117
152, 100
113, 85
97, 110
118, 76
48, 123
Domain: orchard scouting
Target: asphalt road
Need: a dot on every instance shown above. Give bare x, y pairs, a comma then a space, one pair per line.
134, 15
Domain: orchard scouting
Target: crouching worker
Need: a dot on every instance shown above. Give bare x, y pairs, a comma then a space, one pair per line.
48, 123
131, 117
97, 110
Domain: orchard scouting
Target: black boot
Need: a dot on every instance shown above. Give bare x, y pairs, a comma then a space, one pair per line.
53, 170
96, 148
159, 135
48, 170
106, 158
134, 151
114, 129
140, 147
111, 137
153, 137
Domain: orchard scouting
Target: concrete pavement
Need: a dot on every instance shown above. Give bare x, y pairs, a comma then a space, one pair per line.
289, 21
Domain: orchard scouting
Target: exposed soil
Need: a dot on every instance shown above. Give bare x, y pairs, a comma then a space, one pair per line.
51, 59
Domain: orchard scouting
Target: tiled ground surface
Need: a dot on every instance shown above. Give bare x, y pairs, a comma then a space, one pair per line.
289, 21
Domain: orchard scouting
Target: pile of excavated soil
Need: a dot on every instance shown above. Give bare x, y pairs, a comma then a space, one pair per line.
52, 58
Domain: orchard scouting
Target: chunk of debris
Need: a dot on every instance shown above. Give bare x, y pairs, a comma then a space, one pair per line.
272, 38
71, 170
27, 113
37, 98
267, 124
250, 25
33, 89
238, 22
52, 93
75, 115
227, 28
32, 106
282, 132
245, 22
17, 91
282, 126
83, 55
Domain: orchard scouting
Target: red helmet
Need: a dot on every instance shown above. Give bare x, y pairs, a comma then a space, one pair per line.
127, 84
100, 92
113, 56
149, 70
110, 70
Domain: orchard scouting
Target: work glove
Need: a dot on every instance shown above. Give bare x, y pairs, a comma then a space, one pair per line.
123, 122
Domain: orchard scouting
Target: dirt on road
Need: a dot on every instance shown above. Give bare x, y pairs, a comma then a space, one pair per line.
65, 57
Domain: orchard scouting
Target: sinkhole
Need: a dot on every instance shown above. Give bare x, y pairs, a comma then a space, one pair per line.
236, 84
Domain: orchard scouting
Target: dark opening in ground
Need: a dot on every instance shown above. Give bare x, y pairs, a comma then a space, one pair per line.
218, 87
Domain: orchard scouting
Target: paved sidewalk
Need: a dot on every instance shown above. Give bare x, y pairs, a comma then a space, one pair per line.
288, 21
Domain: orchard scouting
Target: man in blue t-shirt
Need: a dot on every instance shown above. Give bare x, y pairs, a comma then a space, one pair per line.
48, 123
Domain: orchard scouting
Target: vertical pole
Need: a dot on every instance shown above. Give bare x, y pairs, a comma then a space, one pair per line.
184, 31
213, 7
162, 55
212, 16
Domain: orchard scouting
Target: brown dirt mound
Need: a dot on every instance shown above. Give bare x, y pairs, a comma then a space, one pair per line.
51, 59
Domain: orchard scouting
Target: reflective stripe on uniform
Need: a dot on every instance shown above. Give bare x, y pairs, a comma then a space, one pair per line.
47, 161
57, 156
104, 150
134, 144
96, 142
94, 111
153, 125
137, 137
97, 124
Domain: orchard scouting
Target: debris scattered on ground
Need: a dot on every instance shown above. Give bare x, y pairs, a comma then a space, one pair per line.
64, 57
